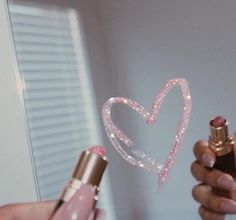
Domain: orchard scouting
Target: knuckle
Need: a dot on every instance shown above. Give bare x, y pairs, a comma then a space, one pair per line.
193, 168
201, 211
209, 203
211, 178
207, 176
209, 215
205, 215
195, 192
199, 144
216, 216
196, 171
196, 145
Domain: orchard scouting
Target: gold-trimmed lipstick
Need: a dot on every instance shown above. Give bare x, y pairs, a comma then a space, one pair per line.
222, 144
89, 171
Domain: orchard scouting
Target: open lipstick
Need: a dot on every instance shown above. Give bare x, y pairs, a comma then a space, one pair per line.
89, 171
222, 144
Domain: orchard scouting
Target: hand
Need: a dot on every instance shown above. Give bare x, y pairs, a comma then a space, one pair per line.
212, 204
27, 211
34, 211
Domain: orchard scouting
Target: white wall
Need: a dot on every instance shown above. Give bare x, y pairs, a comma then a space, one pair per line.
148, 43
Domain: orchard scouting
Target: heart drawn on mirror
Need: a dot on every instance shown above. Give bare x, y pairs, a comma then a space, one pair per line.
121, 141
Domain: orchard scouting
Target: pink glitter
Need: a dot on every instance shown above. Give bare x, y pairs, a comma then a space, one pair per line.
98, 149
138, 157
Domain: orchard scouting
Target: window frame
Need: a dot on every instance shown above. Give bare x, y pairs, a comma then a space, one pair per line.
16, 189
17, 174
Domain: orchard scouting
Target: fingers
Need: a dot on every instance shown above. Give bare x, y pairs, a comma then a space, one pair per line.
204, 195
206, 214
27, 211
213, 201
204, 154
214, 178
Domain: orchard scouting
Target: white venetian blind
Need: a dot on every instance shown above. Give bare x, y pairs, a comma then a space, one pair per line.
57, 93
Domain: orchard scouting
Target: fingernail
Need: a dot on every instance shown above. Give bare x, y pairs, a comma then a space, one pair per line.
228, 206
208, 160
226, 182
81, 204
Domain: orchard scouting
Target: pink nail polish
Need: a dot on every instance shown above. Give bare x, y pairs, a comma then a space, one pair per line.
229, 206
81, 204
208, 160
226, 182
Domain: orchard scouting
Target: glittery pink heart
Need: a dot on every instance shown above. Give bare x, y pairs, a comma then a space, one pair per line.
138, 157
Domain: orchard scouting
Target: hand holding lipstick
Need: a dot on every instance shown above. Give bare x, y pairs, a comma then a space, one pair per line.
215, 169
82, 190
78, 200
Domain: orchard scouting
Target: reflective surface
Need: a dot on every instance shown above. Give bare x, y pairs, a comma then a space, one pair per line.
133, 47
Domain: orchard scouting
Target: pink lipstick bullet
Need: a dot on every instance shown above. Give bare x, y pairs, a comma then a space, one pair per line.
79, 198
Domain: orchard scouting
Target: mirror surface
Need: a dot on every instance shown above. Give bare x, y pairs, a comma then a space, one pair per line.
133, 47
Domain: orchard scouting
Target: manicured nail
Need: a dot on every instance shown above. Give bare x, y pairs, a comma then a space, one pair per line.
208, 160
228, 206
226, 182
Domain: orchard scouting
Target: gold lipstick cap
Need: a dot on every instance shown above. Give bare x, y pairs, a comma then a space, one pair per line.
219, 139
90, 168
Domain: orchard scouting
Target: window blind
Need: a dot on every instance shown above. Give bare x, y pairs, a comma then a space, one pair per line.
56, 90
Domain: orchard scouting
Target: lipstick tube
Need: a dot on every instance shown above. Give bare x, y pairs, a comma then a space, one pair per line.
222, 144
89, 171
